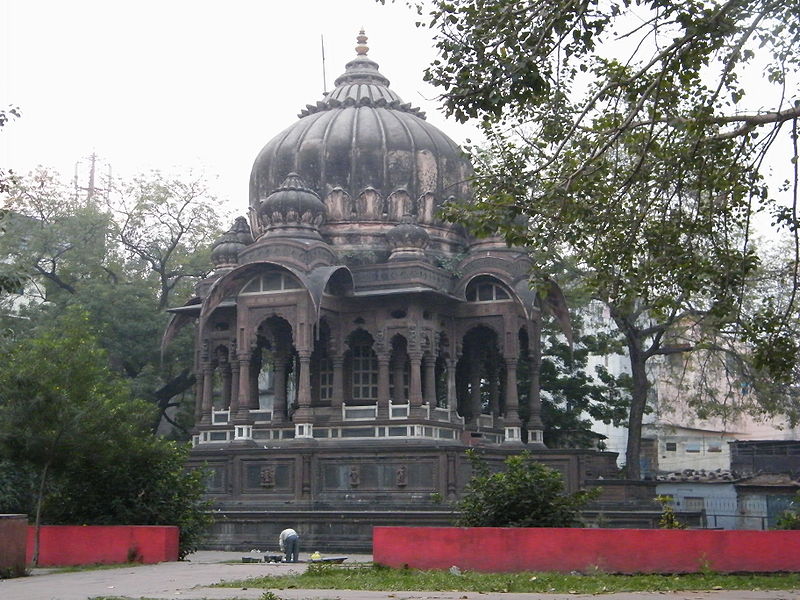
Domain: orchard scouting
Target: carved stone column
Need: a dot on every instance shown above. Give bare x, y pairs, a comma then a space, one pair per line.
198, 397
279, 414
383, 385
337, 398
475, 388
512, 399
243, 413
398, 375
512, 422
415, 381
429, 365
535, 425
494, 392
208, 390
304, 412
226, 385
234, 391
255, 371
452, 400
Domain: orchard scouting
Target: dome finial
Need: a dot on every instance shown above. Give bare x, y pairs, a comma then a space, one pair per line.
362, 47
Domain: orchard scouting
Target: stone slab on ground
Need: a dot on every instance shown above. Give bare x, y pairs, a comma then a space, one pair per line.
189, 580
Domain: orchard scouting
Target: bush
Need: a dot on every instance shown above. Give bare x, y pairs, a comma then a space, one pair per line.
525, 494
668, 518
76, 449
790, 519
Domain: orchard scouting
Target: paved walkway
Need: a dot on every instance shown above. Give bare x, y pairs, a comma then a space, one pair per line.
189, 580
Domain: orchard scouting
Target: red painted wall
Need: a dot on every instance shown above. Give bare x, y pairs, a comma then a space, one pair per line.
495, 549
63, 545
12, 543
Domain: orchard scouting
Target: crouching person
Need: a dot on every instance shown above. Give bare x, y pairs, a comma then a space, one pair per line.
289, 542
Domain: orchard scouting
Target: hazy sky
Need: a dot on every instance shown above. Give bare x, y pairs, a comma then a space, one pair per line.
197, 84
179, 84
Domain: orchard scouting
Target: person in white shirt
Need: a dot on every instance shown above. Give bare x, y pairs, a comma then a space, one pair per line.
289, 542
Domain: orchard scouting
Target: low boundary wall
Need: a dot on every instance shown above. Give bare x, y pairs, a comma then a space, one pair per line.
66, 545
12, 544
495, 549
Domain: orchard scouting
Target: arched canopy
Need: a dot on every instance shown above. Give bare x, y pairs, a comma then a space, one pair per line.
519, 289
314, 283
177, 321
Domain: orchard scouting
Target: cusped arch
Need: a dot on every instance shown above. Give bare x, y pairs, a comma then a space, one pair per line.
178, 321
519, 290
490, 275
314, 283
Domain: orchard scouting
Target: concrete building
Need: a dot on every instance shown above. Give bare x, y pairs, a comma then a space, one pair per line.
677, 435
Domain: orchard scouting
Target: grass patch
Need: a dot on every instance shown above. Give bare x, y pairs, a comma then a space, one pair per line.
377, 578
95, 567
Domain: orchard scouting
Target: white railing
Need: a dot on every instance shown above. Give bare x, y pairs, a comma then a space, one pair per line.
359, 413
261, 416
440, 414
399, 411
214, 437
220, 417
486, 421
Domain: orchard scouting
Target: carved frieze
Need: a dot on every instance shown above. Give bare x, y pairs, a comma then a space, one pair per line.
401, 275
267, 476
318, 254
354, 476
401, 476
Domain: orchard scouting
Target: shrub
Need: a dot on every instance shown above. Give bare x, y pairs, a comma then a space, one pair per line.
525, 494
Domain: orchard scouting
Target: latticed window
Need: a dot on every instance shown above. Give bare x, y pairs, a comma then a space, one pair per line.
325, 378
270, 283
365, 373
483, 290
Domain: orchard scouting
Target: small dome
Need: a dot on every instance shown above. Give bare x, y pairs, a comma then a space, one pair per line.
407, 240
225, 251
242, 231
292, 209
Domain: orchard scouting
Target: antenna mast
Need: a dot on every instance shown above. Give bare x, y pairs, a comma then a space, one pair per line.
324, 77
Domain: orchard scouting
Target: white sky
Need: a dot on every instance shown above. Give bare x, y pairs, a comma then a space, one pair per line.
199, 85
180, 84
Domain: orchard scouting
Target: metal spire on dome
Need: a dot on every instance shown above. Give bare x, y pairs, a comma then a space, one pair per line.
362, 47
362, 84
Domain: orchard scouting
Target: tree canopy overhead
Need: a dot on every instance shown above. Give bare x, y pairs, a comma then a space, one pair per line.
633, 137
123, 256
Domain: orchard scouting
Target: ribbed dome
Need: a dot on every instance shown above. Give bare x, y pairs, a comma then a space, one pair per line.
362, 136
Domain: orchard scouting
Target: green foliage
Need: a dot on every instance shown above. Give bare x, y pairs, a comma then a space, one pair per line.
76, 448
6, 177
525, 494
790, 519
570, 393
668, 518
123, 260
639, 161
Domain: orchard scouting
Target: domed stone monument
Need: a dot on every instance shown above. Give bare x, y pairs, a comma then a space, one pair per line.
350, 344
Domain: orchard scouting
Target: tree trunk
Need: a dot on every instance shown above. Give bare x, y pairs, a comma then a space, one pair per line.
163, 395
37, 523
639, 393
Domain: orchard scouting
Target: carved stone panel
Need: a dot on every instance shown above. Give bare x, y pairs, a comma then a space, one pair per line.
217, 480
380, 476
267, 477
